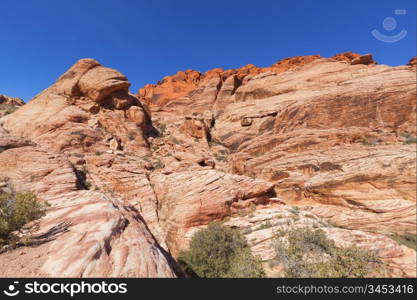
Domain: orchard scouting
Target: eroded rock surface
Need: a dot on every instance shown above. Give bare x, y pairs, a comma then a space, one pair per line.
45, 144
131, 178
335, 136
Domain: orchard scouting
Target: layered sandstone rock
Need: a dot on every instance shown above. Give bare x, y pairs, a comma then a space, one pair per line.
83, 104
334, 136
44, 148
129, 189
261, 226
11, 101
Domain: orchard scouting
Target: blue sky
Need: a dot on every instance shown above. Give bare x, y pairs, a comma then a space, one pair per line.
147, 40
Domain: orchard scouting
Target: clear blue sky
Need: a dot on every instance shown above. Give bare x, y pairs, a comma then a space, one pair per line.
147, 40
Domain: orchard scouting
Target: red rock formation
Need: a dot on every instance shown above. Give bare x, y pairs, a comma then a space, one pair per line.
331, 134
11, 101
182, 84
86, 99
413, 62
169, 88
85, 233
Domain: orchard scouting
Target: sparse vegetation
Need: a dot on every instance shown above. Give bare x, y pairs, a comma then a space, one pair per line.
8, 108
131, 135
87, 185
304, 252
16, 210
265, 225
175, 140
247, 230
162, 129
158, 165
245, 265
410, 140
366, 142
294, 210
220, 251
295, 218
242, 213
310, 216
80, 134
219, 157
212, 143
408, 240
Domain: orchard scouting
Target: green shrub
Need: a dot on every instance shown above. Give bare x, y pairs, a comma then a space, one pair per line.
131, 135
294, 210
265, 225
175, 140
309, 253
244, 265
17, 209
162, 129
411, 140
220, 157
87, 184
366, 142
220, 251
408, 240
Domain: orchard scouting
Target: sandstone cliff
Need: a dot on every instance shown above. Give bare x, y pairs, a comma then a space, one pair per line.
322, 142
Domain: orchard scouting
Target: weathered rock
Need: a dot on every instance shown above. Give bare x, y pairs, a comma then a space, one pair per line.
413, 62
68, 114
11, 101
206, 195
346, 56
196, 127
171, 87
84, 233
246, 122
100, 82
363, 59
333, 136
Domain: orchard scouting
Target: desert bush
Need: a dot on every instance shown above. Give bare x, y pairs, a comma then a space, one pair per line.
131, 135
220, 157
8, 108
409, 240
309, 253
16, 210
175, 140
162, 129
245, 265
220, 251
265, 225
410, 140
